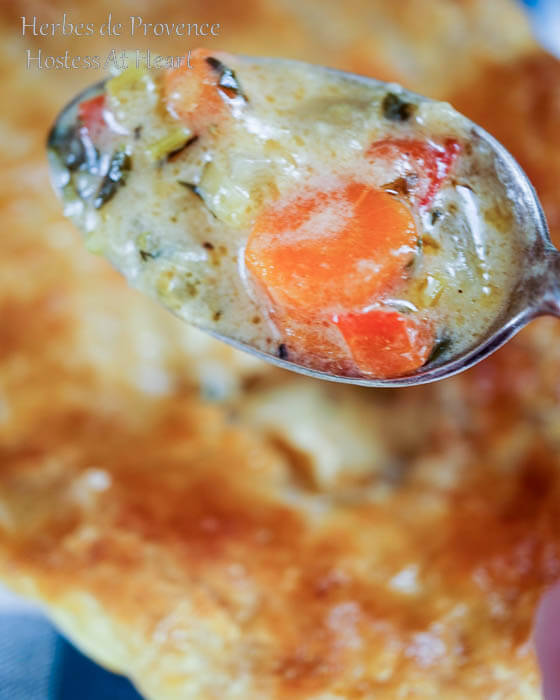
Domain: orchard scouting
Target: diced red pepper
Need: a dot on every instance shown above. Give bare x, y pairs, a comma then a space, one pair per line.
425, 165
90, 113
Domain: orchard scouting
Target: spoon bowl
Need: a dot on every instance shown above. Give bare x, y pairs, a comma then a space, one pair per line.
536, 293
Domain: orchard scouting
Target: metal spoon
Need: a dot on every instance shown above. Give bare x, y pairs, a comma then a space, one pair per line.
537, 292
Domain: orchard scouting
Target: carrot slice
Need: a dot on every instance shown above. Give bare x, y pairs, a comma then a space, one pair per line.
386, 344
192, 94
425, 166
335, 247
90, 113
313, 340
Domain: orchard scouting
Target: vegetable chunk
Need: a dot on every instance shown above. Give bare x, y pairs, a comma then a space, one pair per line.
386, 343
193, 94
424, 165
334, 247
91, 116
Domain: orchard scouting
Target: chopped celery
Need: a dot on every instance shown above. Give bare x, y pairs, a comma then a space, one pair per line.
131, 79
95, 243
174, 141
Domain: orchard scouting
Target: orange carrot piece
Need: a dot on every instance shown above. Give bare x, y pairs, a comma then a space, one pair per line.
428, 162
192, 94
312, 339
334, 248
386, 344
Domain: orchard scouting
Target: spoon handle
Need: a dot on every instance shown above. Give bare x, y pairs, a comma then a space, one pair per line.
544, 288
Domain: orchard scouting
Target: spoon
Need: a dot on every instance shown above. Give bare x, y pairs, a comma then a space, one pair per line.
536, 293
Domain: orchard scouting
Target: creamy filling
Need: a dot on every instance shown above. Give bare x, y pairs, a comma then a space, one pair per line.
171, 204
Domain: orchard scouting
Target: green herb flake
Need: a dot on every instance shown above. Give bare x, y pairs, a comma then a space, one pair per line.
441, 346
119, 168
147, 248
73, 148
195, 189
396, 109
227, 81
436, 215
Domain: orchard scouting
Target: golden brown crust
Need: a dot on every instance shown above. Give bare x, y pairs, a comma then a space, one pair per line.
209, 549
